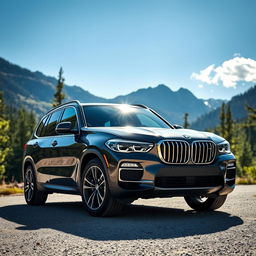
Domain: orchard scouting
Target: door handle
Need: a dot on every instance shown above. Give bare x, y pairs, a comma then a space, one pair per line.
54, 143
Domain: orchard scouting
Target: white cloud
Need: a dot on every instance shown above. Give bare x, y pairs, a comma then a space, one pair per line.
238, 69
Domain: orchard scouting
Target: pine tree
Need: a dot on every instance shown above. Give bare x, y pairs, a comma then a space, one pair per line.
223, 120
243, 152
186, 123
251, 126
251, 115
4, 138
22, 123
59, 96
229, 124
31, 121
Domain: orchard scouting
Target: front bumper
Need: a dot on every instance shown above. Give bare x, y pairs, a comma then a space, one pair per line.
154, 178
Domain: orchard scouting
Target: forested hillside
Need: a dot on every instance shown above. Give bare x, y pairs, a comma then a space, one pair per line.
238, 108
34, 91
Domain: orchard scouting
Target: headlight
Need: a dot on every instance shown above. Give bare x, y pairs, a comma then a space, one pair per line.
224, 147
127, 146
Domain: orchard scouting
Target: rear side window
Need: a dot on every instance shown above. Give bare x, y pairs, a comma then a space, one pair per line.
50, 129
40, 129
69, 115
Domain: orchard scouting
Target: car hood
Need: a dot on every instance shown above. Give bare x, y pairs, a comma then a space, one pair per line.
155, 134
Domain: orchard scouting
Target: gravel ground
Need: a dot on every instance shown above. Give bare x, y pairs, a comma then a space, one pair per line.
149, 227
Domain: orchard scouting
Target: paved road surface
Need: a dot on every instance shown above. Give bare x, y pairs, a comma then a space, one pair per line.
149, 227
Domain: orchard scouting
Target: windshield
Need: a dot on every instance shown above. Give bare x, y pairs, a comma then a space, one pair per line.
120, 116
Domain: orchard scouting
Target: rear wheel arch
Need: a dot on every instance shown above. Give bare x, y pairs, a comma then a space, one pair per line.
27, 162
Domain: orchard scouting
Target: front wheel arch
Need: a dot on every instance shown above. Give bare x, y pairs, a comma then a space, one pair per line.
85, 159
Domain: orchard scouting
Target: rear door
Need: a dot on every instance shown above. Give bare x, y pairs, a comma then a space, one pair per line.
46, 167
38, 147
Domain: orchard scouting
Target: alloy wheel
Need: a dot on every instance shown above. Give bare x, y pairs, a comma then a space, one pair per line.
94, 187
29, 184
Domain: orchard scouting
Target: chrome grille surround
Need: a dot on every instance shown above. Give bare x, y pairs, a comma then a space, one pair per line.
174, 151
182, 152
203, 151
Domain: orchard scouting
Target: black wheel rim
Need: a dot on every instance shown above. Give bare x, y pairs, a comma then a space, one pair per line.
94, 187
29, 185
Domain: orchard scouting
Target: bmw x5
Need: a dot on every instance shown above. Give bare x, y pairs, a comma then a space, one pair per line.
113, 154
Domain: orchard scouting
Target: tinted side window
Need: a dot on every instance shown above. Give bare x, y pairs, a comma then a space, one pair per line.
69, 115
50, 129
40, 127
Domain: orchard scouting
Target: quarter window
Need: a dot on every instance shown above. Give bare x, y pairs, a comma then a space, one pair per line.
41, 127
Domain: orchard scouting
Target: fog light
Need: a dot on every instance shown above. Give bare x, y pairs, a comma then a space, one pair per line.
231, 164
130, 165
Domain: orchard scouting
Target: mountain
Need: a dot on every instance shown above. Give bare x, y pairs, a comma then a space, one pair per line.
34, 90
170, 104
213, 103
238, 108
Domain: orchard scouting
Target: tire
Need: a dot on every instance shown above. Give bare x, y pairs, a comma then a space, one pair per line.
205, 204
32, 195
96, 195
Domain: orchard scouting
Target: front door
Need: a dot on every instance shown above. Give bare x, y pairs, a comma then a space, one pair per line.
65, 152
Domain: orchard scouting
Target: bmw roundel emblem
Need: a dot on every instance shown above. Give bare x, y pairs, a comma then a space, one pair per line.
186, 136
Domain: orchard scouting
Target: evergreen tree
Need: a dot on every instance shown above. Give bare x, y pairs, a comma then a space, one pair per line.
22, 123
59, 95
186, 123
251, 115
229, 124
243, 151
251, 126
223, 120
4, 138
31, 122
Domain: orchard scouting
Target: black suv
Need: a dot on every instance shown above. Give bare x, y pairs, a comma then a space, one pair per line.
113, 154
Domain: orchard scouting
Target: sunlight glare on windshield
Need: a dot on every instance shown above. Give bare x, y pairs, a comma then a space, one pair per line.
125, 109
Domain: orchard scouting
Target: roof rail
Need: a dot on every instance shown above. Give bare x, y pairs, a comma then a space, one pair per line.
140, 105
63, 104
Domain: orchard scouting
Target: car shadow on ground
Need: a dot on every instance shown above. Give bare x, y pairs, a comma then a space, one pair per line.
138, 222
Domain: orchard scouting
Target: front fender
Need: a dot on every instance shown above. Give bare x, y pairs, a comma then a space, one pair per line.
86, 156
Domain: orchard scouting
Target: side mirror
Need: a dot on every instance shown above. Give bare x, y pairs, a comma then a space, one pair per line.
176, 126
64, 128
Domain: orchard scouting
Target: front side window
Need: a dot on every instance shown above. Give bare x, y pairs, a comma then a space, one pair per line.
69, 115
50, 129
121, 115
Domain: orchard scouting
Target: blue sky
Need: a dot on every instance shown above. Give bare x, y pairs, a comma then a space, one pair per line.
115, 47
